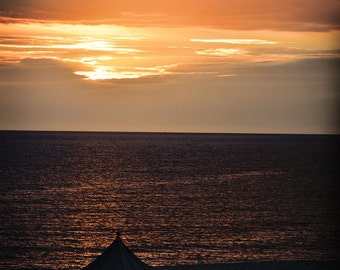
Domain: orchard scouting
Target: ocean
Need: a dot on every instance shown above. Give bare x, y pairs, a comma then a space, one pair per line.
178, 199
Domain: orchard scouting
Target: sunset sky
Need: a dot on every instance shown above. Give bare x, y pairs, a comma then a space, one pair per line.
240, 66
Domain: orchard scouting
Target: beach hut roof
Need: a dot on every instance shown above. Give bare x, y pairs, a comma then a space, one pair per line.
117, 257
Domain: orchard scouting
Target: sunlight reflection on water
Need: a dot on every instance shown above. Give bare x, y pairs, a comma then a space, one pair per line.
178, 199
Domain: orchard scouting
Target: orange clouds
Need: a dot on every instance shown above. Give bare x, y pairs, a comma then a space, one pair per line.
109, 52
235, 41
221, 58
292, 15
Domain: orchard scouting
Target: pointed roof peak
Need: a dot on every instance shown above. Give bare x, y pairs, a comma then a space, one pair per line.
117, 256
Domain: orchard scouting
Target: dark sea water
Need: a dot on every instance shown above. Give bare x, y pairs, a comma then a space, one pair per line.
177, 198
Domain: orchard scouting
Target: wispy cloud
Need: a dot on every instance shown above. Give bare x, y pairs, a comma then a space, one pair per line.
220, 52
94, 56
291, 15
108, 52
236, 41
46, 42
101, 72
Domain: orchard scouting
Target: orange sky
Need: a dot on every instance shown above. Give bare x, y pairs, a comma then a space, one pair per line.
178, 65
295, 15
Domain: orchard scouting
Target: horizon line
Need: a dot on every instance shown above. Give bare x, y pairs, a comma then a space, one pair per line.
165, 132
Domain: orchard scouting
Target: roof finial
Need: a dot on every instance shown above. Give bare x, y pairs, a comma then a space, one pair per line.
118, 233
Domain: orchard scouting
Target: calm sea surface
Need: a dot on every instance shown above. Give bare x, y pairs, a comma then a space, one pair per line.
178, 198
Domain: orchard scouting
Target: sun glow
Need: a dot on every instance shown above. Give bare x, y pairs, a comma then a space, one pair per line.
107, 73
109, 52
101, 72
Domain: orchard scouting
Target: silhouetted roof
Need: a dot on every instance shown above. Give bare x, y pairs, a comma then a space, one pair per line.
117, 257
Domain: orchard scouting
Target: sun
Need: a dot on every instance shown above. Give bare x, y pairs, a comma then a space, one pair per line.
108, 73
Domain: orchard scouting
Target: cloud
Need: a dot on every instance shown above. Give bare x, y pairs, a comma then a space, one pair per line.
236, 41
297, 96
34, 43
118, 73
300, 95
292, 15
304, 70
37, 92
36, 71
220, 52
296, 52
56, 71
91, 57
11, 20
